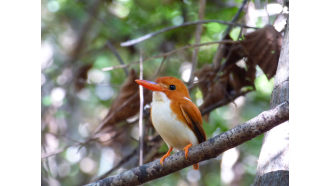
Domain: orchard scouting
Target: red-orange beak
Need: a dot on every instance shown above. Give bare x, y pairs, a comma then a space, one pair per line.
149, 85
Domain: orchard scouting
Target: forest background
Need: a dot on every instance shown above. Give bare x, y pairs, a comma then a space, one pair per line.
20, 94
88, 71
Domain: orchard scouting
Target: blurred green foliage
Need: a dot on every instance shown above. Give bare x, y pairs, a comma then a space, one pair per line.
69, 116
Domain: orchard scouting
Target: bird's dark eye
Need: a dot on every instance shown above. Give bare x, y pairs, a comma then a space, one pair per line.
172, 87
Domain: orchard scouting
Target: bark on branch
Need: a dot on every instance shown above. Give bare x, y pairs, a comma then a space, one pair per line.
204, 151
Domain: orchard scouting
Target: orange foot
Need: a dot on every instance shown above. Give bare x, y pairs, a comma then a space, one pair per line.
166, 155
186, 150
196, 166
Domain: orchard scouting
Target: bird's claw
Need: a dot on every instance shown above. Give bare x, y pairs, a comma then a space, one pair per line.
186, 150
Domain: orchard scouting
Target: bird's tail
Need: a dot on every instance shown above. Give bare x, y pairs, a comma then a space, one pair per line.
196, 166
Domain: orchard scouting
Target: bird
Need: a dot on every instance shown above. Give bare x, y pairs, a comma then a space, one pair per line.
174, 116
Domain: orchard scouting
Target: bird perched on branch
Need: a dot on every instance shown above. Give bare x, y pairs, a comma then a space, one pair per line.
174, 116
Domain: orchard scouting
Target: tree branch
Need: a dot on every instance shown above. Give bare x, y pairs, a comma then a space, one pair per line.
198, 34
159, 68
152, 34
235, 18
204, 151
123, 161
223, 102
218, 55
113, 49
169, 53
83, 34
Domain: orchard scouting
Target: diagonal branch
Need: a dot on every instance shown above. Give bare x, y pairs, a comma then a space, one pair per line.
204, 151
159, 68
218, 55
223, 102
123, 161
80, 44
170, 53
115, 52
235, 18
152, 34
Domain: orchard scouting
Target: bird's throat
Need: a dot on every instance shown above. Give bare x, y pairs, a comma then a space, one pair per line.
159, 97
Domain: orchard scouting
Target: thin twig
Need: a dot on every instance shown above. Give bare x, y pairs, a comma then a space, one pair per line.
159, 68
113, 49
141, 139
218, 55
80, 44
235, 18
119, 164
58, 151
153, 149
82, 144
223, 102
189, 46
117, 134
116, 67
240, 34
170, 53
152, 34
198, 34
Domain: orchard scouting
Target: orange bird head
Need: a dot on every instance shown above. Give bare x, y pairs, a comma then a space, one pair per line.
171, 86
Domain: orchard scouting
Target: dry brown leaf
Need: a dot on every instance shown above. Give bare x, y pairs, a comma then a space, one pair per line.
81, 77
251, 71
126, 104
212, 90
263, 48
205, 76
238, 78
233, 53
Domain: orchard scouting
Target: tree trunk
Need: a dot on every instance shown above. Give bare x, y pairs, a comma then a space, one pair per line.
273, 163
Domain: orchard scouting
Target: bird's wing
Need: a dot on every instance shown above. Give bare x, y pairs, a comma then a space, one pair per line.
193, 117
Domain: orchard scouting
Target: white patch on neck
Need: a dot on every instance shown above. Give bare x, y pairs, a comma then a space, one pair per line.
159, 97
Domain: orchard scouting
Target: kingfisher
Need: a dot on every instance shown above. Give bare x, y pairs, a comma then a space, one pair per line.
174, 116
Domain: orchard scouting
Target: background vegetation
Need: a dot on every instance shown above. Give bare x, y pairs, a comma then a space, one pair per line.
77, 93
